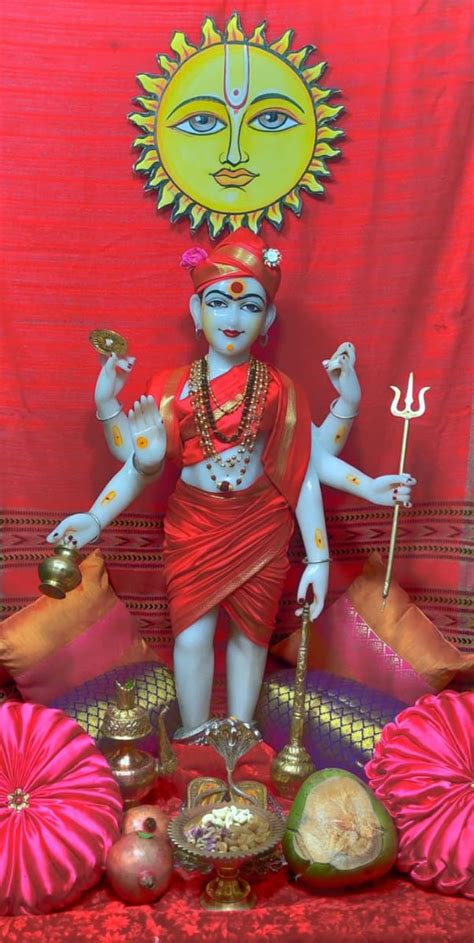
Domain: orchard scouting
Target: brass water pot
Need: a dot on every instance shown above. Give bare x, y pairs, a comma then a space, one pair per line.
60, 573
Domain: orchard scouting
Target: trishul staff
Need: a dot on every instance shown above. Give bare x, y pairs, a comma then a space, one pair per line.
407, 414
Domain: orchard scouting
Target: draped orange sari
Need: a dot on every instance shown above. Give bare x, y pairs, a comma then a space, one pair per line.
231, 549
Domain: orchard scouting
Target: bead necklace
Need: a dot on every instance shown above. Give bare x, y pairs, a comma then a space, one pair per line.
254, 399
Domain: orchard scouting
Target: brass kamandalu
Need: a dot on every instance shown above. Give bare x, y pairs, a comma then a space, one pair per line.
60, 573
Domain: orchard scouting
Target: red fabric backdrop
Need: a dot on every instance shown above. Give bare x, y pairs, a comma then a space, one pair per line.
380, 260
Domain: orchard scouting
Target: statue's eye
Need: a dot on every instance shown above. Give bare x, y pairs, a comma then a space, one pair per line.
273, 121
200, 123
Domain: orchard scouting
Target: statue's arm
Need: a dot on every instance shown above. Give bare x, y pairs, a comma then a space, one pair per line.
109, 410
333, 433
143, 466
386, 490
310, 516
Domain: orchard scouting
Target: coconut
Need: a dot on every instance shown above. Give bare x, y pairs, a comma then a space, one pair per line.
337, 833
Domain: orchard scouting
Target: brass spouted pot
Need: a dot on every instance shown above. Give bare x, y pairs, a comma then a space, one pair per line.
124, 723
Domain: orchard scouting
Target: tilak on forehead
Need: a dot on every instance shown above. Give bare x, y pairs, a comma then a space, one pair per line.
236, 76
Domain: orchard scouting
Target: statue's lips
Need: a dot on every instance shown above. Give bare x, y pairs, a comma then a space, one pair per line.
234, 178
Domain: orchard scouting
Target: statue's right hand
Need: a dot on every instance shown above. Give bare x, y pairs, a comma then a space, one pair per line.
75, 531
148, 434
111, 379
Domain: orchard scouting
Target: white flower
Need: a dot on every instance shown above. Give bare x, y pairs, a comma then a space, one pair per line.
271, 257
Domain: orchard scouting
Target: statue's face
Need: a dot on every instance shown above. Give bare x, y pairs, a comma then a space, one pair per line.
236, 128
233, 314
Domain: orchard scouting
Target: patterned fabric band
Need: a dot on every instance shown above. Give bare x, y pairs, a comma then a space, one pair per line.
238, 255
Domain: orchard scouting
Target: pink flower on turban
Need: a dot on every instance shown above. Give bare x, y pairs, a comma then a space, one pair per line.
193, 257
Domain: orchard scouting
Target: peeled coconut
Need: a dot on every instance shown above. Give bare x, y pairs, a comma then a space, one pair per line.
337, 833
146, 818
139, 867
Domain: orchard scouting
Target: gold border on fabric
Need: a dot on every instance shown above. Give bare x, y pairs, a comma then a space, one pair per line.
173, 445
289, 423
223, 261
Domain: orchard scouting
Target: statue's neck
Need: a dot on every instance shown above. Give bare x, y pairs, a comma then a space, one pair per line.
217, 363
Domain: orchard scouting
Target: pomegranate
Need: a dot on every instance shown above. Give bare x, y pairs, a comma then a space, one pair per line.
139, 867
146, 818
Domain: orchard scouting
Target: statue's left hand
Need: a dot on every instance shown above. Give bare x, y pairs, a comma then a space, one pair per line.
75, 531
111, 379
317, 576
389, 490
340, 369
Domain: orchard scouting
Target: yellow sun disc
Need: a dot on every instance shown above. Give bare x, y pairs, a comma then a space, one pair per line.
234, 128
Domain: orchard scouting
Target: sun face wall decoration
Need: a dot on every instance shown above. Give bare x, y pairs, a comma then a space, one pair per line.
235, 128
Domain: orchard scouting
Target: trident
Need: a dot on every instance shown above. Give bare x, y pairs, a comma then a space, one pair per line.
407, 414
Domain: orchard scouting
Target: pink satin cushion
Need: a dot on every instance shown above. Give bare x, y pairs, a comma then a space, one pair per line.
396, 650
59, 810
54, 645
422, 770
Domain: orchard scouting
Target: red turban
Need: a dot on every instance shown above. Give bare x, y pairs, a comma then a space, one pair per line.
241, 254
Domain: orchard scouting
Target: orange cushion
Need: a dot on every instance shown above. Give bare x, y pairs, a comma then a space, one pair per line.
397, 650
53, 645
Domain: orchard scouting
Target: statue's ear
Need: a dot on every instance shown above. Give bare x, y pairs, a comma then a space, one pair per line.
270, 316
195, 311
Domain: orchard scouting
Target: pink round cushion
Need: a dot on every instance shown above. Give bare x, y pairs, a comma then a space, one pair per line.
422, 771
59, 810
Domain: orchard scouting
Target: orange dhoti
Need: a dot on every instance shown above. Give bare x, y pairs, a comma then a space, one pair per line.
229, 550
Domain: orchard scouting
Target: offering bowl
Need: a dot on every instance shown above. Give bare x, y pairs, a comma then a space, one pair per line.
228, 890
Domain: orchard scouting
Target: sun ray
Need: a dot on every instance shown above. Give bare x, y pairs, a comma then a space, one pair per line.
146, 122
308, 182
299, 57
143, 142
254, 219
210, 33
233, 32
314, 73
282, 45
182, 47
168, 195
318, 167
182, 203
181, 207
158, 178
151, 104
236, 220
147, 160
154, 84
325, 150
327, 112
258, 36
319, 94
293, 201
216, 223
275, 215
167, 64
329, 134
197, 214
